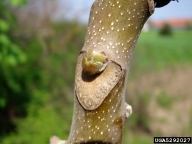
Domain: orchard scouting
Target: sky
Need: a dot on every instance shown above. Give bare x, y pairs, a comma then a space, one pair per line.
174, 9
79, 9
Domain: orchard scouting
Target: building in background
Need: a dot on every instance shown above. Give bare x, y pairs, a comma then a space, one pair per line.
174, 23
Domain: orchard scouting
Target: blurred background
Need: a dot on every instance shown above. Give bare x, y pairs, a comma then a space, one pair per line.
39, 44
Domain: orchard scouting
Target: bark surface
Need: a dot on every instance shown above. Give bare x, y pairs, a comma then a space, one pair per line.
100, 107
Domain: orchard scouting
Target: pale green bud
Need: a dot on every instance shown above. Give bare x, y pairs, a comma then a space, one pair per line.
94, 61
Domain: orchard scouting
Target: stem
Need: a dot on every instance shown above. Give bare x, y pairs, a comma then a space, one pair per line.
100, 108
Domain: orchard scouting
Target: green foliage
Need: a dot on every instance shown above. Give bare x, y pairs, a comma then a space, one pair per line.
26, 80
166, 30
38, 91
4, 25
164, 100
41, 123
10, 53
14, 93
154, 52
17, 2
189, 26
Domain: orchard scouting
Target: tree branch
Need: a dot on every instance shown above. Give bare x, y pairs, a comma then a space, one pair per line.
102, 69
